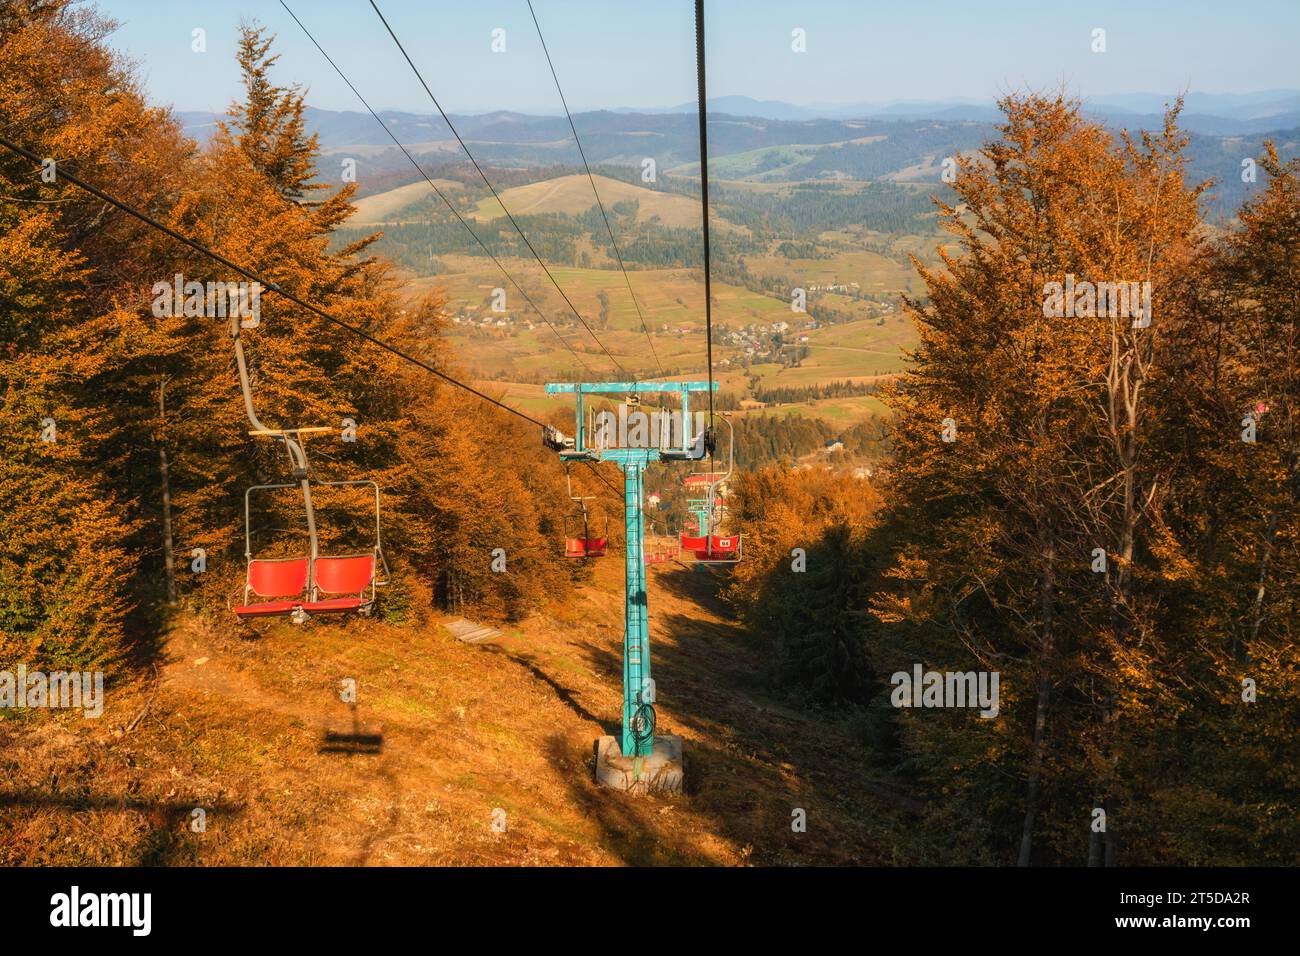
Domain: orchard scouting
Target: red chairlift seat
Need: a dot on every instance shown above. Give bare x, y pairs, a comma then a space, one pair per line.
723, 549
274, 577
694, 543
350, 575
585, 547
713, 549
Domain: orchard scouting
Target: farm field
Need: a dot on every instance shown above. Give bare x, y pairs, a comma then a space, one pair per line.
518, 358
671, 300
862, 333
765, 164
875, 273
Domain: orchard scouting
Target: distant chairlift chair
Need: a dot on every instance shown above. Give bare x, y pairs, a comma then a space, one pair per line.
708, 547
586, 546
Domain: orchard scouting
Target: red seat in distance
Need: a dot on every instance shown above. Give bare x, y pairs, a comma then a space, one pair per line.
693, 544
585, 547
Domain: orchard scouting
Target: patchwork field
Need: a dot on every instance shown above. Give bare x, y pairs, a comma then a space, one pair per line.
855, 331
517, 359
765, 164
875, 273
671, 300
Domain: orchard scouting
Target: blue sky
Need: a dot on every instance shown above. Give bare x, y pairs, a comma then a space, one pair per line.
640, 53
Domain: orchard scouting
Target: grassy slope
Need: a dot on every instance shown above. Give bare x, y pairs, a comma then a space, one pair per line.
466, 730
386, 207
572, 195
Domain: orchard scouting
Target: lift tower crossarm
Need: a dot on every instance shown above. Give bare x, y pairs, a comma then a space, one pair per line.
579, 389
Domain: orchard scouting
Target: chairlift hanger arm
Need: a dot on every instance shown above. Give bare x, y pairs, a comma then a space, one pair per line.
719, 480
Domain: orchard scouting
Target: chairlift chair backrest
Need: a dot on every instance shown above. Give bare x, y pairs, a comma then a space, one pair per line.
351, 574
277, 577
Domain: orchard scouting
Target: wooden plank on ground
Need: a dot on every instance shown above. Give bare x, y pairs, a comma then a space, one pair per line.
470, 632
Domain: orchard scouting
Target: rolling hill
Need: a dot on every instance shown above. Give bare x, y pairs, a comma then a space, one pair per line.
387, 207
571, 195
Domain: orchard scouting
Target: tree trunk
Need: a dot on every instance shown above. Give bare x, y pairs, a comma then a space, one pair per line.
1035, 770
1047, 605
1270, 537
169, 557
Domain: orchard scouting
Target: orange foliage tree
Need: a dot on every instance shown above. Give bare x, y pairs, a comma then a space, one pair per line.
131, 390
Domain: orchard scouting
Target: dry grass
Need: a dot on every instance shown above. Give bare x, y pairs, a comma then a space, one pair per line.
236, 726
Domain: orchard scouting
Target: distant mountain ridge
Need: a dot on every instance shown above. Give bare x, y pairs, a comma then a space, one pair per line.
903, 142
1213, 114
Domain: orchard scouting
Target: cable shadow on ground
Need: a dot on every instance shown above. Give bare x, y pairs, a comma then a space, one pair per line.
566, 696
168, 821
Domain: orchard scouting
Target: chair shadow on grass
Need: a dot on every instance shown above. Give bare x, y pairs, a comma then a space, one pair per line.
356, 740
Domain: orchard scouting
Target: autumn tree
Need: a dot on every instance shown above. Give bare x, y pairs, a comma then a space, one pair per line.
143, 400
1019, 465
73, 276
801, 585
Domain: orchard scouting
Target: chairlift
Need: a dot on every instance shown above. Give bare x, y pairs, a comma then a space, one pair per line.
315, 584
585, 546
707, 546
302, 587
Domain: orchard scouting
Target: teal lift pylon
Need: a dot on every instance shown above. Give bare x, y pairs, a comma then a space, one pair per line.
638, 686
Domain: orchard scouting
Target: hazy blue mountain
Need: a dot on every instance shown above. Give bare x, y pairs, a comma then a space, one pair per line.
1219, 114
900, 141
737, 106
1213, 114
